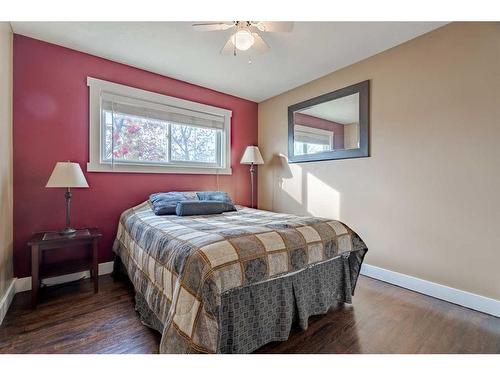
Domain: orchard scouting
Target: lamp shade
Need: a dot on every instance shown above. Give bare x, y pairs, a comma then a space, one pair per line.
252, 156
67, 175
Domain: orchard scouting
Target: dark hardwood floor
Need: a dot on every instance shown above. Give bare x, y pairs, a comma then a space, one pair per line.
383, 319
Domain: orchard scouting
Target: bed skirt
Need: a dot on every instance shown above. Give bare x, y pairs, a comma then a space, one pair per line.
257, 314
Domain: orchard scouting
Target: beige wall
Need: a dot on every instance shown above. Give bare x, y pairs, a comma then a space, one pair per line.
351, 136
5, 157
427, 200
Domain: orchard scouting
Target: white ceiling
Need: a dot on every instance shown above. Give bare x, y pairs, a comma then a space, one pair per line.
310, 51
343, 110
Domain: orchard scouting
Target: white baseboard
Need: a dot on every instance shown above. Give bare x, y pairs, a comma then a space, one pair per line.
470, 300
6, 299
23, 284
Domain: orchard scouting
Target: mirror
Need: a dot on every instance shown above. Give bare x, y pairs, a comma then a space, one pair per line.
331, 126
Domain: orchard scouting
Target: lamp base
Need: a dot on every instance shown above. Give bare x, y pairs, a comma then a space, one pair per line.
67, 232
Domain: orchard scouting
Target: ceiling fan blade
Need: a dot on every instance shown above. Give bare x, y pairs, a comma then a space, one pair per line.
212, 26
228, 48
259, 44
284, 27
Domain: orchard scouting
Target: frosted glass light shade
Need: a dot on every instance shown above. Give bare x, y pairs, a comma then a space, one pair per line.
243, 39
252, 156
67, 175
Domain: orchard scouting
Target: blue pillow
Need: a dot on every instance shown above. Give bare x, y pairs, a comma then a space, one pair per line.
216, 196
197, 207
165, 203
220, 196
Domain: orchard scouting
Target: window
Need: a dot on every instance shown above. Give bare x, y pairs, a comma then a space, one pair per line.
309, 140
133, 130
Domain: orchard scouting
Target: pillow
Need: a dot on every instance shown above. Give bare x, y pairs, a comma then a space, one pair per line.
216, 196
220, 196
165, 203
197, 207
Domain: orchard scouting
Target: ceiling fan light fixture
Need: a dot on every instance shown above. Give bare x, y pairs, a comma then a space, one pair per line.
242, 39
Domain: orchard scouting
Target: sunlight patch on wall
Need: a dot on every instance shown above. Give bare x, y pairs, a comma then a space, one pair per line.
322, 200
291, 186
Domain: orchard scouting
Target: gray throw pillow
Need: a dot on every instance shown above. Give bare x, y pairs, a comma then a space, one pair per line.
197, 207
218, 196
214, 196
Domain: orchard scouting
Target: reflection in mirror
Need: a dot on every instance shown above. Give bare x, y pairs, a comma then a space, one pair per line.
328, 126
331, 126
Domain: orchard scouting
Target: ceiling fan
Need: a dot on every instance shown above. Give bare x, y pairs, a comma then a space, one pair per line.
246, 34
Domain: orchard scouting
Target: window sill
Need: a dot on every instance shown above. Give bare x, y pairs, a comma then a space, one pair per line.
122, 168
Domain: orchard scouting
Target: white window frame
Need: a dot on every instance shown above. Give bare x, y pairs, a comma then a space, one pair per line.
315, 131
96, 164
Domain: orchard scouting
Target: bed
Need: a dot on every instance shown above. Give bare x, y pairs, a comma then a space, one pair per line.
232, 282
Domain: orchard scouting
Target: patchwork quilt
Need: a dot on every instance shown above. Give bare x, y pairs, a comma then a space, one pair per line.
183, 265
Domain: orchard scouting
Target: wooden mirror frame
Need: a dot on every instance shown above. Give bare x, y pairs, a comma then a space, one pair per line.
363, 88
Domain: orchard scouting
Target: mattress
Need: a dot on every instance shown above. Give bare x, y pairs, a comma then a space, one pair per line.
205, 280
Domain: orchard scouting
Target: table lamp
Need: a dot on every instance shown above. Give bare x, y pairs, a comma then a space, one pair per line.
67, 175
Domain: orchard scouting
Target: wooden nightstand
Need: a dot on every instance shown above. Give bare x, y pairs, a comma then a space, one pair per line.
40, 242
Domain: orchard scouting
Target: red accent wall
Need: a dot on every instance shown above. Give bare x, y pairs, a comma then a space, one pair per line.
319, 123
51, 123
